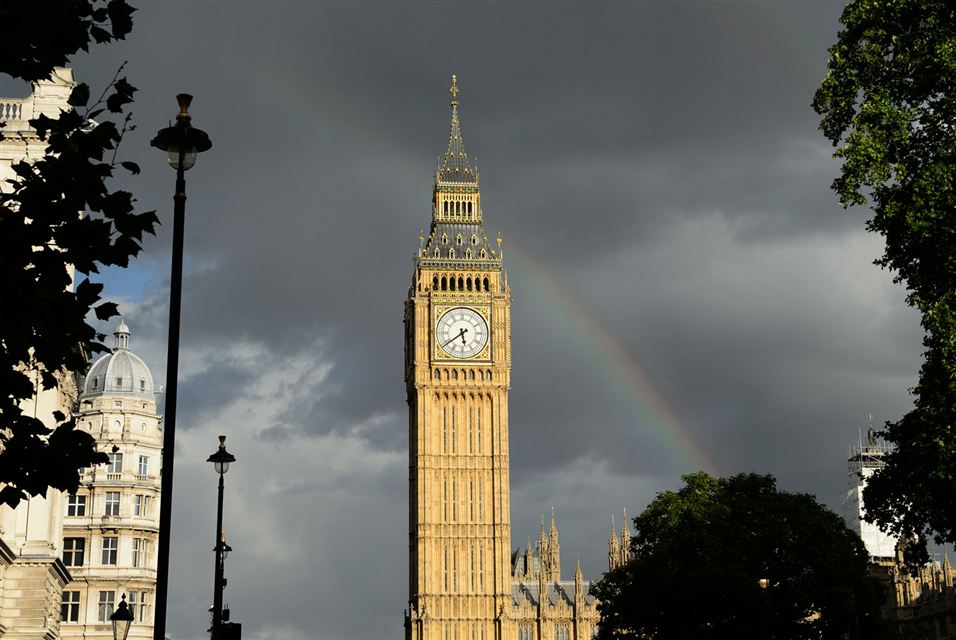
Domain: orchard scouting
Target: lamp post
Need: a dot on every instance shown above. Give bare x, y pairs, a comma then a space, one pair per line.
764, 584
220, 460
122, 618
181, 142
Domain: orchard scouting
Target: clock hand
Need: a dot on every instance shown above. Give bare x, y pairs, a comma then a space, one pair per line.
461, 334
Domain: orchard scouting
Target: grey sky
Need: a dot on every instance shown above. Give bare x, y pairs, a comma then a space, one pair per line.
658, 163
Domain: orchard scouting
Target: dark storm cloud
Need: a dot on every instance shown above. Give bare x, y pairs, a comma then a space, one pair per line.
658, 160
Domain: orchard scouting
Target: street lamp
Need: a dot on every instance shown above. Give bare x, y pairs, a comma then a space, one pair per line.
181, 142
220, 460
764, 584
122, 618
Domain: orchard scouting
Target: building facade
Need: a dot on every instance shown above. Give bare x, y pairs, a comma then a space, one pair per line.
32, 573
111, 524
462, 582
924, 600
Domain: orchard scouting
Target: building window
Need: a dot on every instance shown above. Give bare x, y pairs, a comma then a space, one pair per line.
119, 382
112, 503
70, 607
117, 403
138, 601
140, 551
141, 506
105, 609
110, 545
74, 550
142, 384
76, 505
115, 464
144, 465
561, 632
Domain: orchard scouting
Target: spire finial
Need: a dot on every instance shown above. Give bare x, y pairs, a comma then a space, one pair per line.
454, 91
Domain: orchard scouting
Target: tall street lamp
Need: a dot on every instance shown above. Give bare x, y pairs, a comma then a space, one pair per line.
122, 618
220, 460
181, 142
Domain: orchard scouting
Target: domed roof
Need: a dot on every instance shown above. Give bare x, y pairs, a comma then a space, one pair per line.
121, 372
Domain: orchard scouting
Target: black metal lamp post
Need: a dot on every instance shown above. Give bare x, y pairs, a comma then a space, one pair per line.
122, 618
764, 584
221, 460
181, 142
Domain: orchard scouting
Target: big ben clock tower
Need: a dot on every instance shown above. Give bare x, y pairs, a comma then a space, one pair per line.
457, 375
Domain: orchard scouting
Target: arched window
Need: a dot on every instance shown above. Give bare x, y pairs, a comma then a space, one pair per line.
471, 374
444, 239
451, 253
458, 239
435, 283
454, 374
468, 255
444, 281
469, 207
484, 254
437, 374
437, 252
486, 284
461, 283
445, 206
468, 281
474, 239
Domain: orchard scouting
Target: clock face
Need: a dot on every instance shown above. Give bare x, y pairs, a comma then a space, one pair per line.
462, 333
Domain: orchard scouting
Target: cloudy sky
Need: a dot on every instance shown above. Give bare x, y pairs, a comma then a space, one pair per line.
686, 292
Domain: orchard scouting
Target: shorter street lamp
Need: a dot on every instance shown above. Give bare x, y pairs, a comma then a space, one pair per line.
764, 584
220, 460
122, 618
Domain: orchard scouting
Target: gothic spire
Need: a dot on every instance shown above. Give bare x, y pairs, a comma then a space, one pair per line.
454, 165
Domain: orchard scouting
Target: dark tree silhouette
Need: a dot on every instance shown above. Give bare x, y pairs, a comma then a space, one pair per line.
698, 556
59, 211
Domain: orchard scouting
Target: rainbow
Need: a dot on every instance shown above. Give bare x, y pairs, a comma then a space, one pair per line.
612, 358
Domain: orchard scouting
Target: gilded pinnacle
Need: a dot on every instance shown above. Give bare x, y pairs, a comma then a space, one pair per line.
454, 90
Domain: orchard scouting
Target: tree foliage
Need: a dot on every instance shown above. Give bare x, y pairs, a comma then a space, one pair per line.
698, 555
887, 104
59, 211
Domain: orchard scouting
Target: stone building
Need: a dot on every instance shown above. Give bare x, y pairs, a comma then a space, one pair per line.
32, 573
926, 599
111, 524
65, 560
463, 584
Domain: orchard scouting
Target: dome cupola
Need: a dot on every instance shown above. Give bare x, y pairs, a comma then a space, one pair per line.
121, 372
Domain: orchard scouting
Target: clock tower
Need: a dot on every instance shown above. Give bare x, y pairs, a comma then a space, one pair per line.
457, 376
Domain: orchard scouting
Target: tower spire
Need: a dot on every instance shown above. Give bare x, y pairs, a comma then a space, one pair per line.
454, 165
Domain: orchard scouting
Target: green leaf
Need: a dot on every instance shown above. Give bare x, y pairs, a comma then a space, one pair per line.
79, 96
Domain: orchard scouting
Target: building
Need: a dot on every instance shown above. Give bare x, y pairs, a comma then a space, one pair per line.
463, 584
865, 459
925, 599
111, 524
32, 573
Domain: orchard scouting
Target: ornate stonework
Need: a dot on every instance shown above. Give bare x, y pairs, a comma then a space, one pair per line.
463, 584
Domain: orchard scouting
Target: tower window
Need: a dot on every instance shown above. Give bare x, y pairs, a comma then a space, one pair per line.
437, 252
458, 239
444, 280
451, 254
454, 374
484, 254
461, 283
474, 239
468, 255
444, 239
486, 284
469, 207
446, 206
435, 283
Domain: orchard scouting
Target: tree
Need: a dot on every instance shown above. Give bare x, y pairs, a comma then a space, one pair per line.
44, 333
698, 555
888, 107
